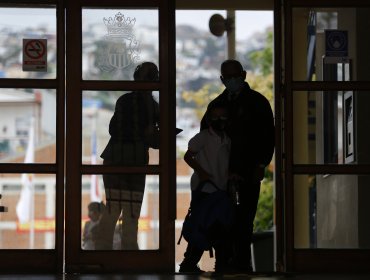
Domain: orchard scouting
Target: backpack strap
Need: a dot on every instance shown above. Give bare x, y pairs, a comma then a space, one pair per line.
181, 234
210, 252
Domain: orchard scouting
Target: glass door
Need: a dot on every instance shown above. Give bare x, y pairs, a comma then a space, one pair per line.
120, 145
327, 90
31, 136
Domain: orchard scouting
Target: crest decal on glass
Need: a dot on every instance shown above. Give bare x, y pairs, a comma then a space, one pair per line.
121, 47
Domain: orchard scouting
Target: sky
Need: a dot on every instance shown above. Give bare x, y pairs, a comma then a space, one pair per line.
247, 22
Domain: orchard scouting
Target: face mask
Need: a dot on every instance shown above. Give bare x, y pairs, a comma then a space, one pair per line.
218, 124
233, 85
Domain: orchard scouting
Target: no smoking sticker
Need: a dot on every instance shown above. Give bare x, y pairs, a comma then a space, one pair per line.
35, 55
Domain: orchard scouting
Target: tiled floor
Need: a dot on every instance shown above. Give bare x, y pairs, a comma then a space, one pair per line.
204, 276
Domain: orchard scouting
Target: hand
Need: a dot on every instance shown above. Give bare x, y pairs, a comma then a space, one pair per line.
204, 176
236, 177
258, 174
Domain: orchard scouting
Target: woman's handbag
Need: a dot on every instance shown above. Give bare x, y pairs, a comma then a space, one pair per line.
152, 137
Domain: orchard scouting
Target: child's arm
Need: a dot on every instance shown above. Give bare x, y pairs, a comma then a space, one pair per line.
189, 158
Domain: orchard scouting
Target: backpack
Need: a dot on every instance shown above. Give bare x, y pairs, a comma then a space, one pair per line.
209, 218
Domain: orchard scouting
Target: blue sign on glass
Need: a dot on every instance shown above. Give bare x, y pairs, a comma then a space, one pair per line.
336, 43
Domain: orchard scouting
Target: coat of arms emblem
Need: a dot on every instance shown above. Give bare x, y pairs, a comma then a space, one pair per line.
121, 49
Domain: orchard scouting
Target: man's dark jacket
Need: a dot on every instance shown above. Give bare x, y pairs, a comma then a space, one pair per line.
250, 128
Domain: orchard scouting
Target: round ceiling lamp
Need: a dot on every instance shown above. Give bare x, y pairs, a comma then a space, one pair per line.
217, 25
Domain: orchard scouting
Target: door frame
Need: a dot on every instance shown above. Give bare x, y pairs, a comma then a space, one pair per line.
309, 260
76, 259
48, 260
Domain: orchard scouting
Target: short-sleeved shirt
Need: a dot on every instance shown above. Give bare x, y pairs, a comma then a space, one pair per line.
212, 154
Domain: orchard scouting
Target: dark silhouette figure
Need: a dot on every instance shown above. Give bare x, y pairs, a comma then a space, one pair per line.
251, 130
133, 129
208, 155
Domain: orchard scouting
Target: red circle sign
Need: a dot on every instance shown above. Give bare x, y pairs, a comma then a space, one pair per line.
35, 49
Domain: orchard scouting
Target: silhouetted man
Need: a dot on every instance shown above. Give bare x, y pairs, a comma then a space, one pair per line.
251, 130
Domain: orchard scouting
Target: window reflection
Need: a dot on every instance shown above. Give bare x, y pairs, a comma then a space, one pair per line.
318, 56
330, 211
98, 110
27, 116
29, 222
116, 41
331, 127
143, 234
17, 24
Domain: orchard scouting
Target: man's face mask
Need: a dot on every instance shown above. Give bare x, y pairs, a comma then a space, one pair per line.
234, 84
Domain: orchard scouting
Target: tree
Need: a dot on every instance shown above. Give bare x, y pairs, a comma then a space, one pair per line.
265, 208
262, 60
262, 77
262, 81
201, 98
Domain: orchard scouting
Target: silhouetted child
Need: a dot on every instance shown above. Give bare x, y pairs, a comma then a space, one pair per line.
208, 154
95, 212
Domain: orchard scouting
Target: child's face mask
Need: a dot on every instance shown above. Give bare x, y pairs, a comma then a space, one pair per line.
219, 123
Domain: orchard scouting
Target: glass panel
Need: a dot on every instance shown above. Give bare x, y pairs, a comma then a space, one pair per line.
29, 222
331, 127
27, 125
331, 211
120, 212
17, 24
331, 44
199, 55
254, 46
115, 41
121, 127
